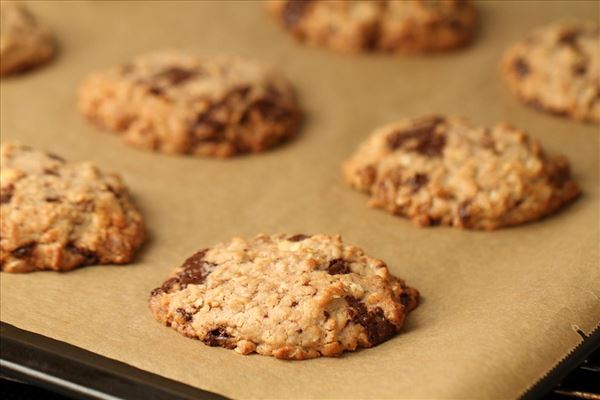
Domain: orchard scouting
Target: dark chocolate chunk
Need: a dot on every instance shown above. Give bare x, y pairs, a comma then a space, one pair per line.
427, 141
569, 38
521, 67
338, 266
5, 196
212, 120
372, 38
463, 212
24, 251
405, 299
293, 11
216, 337
176, 75
269, 110
560, 176
241, 91
89, 256
579, 69
432, 145
298, 238
195, 270
187, 317
378, 327
50, 171
156, 91
56, 157
417, 181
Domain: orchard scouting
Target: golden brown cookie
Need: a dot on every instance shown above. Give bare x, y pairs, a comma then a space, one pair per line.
24, 42
178, 103
557, 69
57, 215
384, 25
446, 171
291, 297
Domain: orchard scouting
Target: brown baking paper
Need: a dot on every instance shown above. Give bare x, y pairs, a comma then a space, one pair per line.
500, 309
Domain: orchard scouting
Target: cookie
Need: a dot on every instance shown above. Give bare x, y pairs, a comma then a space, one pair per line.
557, 69
439, 170
178, 103
291, 297
387, 25
57, 215
24, 42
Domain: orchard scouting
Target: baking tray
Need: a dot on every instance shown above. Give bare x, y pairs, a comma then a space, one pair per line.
75, 372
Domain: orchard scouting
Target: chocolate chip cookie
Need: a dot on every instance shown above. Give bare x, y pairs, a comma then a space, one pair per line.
57, 215
24, 42
287, 296
439, 170
178, 103
557, 69
384, 25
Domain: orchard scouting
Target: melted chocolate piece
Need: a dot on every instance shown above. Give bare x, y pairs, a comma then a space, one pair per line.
210, 121
166, 287
379, 328
269, 110
405, 299
560, 176
215, 118
372, 38
417, 181
24, 251
293, 11
176, 75
56, 157
187, 317
89, 256
298, 238
579, 69
194, 272
338, 266
50, 171
5, 196
569, 38
428, 142
156, 91
463, 212
216, 337
521, 67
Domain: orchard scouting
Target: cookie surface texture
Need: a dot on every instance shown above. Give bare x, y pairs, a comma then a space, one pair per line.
57, 215
557, 69
439, 170
388, 25
287, 296
24, 42
178, 103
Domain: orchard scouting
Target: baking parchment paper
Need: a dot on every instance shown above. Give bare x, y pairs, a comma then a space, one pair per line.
499, 309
